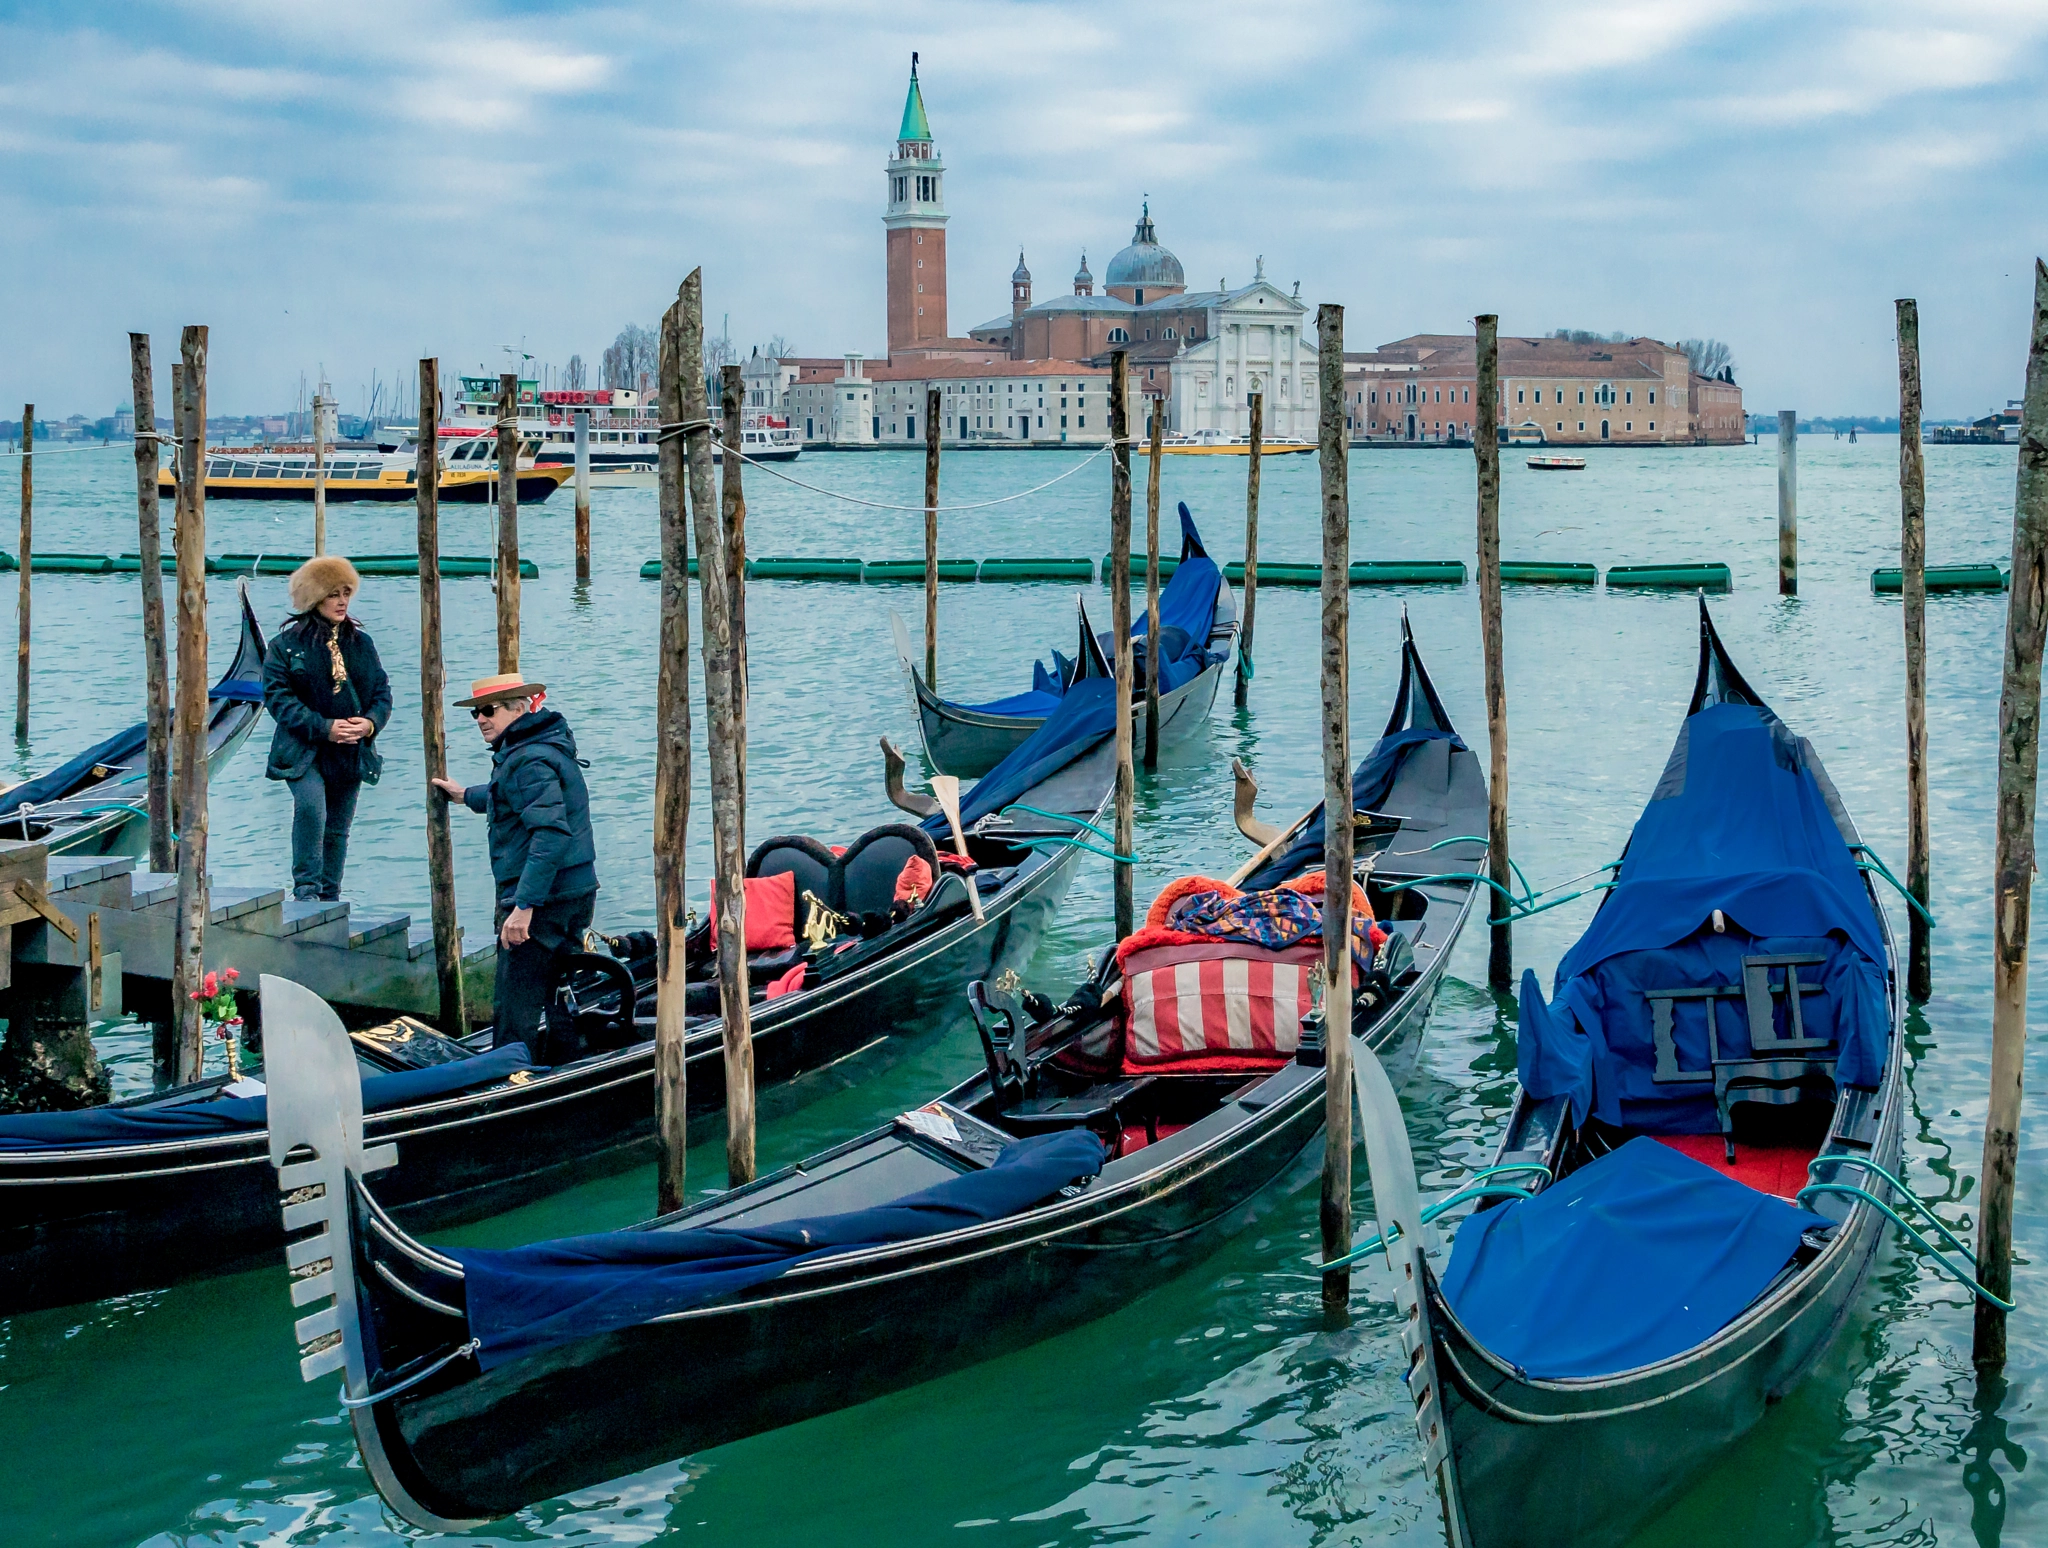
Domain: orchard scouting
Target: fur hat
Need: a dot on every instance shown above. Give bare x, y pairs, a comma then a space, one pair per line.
318, 579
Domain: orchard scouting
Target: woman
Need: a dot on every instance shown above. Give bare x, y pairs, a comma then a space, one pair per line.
326, 689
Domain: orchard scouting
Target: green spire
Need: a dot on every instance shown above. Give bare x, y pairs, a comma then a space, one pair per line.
915, 126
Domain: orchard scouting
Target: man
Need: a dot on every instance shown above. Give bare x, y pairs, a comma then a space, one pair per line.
543, 854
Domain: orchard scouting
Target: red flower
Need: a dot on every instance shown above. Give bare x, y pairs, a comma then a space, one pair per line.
230, 975
212, 985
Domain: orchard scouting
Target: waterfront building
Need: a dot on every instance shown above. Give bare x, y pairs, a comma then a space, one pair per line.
1638, 392
858, 404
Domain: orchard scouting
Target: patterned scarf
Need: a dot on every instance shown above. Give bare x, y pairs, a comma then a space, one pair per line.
1275, 918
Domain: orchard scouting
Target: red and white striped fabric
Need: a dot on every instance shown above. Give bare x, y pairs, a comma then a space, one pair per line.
1225, 1006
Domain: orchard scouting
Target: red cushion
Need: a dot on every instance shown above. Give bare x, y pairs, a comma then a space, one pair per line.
1218, 1006
771, 912
1775, 1169
788, 983
914, 882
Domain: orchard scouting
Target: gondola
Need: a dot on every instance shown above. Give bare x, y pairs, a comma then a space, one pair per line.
159, 1189
1197, 622
1051, 1188
1644, 1274
96, 804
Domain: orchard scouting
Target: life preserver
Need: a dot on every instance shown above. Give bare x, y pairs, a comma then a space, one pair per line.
554, 416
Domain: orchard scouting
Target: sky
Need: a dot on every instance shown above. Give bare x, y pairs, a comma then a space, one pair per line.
355, 186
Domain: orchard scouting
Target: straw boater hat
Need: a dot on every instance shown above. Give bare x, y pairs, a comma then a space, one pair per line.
318, 579
496, 689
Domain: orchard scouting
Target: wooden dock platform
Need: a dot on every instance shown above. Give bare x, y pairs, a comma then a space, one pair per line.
349, 954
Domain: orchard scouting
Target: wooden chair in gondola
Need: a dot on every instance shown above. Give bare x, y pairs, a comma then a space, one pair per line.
1778, 1070
1027, 1105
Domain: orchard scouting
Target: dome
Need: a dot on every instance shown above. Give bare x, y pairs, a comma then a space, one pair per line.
1022, 275
1081, 275
1145, 263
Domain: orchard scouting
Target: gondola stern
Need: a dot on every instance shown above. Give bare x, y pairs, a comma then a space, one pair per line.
1719, 681
1416, 704
315, 1119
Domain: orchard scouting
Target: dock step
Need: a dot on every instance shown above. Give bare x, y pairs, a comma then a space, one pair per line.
373, 930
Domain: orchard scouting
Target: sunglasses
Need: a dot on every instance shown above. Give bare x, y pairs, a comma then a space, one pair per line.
486, 711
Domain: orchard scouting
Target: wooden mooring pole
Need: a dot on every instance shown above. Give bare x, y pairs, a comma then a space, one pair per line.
28, 507
1245, 664
682, 348
931, 537
508, 522
319, 474
583, 494
188, 753
1337, 813
725, 712
1788, 502
1500, 960
2019, 750
732, 516
434, 713
1152, 592
1913, 593
149, 545
1126, 913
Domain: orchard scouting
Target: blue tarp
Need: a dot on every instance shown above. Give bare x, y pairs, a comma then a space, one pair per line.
122, 748
1632, 1259
523, 1299
1739, 823
1187, 604
1369, 787
1084, 717
99, 1126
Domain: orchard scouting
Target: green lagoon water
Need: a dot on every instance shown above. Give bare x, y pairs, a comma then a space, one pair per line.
1214, 1409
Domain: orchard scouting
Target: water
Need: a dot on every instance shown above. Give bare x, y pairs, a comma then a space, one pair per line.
1213, 1408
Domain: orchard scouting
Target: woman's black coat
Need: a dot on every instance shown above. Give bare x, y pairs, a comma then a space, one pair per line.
299, 692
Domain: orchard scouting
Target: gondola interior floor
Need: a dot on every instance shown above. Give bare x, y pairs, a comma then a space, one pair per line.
1773, 1169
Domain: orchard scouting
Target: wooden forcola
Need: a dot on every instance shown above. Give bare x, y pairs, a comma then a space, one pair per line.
946, 788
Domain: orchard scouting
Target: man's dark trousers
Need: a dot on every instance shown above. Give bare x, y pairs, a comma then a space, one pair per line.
528, 972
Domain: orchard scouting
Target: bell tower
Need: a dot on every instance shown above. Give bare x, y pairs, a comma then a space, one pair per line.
915, 230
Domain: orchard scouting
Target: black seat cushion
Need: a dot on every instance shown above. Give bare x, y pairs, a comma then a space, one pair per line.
811, 862
864, 878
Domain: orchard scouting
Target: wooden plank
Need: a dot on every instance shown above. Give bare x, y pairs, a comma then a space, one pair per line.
39, 903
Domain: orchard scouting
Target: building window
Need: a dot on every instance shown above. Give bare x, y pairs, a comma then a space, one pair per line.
1119, 336
1582, 424
1653, 399
1628, 395
1629, 425
1171, 333
1653, 424
1081, 423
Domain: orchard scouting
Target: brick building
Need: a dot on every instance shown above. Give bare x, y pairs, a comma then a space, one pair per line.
1639, 392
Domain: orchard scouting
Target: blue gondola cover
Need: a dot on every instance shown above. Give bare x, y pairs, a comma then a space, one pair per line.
1637, 1257
1740, 824
100, 1126
523, 1299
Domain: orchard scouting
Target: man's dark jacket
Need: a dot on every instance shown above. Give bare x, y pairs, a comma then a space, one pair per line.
542, 849
299, 692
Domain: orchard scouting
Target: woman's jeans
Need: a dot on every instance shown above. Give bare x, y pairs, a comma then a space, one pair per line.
323, 807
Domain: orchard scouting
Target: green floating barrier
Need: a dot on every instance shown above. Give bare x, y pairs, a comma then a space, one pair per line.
251, 564
450, 565
1272, 574
1166, 567
131, 564
801, 568
8, 561
1405, 572
913, 570
1037, 569
651, 570
1942, 577
1707, 577
69, 564
1530, 573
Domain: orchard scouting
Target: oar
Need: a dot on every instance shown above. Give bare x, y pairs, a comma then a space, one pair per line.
947, 788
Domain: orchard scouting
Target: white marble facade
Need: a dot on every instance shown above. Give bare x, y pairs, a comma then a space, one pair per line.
1259, 339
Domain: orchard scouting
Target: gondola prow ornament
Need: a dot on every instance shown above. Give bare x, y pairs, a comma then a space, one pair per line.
316, 1143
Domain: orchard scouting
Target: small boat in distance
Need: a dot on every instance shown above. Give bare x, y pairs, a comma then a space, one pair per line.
469, 475
1555, 464
1214, 443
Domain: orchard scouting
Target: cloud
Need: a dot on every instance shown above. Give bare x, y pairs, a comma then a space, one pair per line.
359, 186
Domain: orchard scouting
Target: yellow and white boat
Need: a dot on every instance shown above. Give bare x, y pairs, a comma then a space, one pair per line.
1214, 443
469, 474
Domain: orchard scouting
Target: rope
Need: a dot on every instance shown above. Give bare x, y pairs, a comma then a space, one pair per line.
415, 1379
670, 431
1968, 1281
61, 451
919, 510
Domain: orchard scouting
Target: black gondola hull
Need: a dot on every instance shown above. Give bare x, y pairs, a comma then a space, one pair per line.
586, 1412
83, 1225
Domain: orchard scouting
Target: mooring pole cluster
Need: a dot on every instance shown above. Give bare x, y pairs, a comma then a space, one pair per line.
1126, 913
1338, 845
1500, 961
188, 762
149, 549
1245, 665
685, 442
2012, 877
1913, 593
1152, 591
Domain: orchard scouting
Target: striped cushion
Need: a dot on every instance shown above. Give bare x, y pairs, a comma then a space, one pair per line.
1223, 1006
